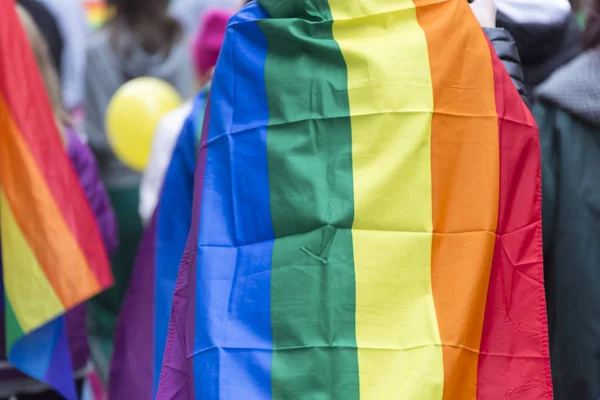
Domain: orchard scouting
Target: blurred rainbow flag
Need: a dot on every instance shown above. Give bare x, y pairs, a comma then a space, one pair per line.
53, 257
367, 214
97, 12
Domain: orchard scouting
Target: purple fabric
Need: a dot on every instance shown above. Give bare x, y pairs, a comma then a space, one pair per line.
84, 163
77, 335
131, 367
175, 382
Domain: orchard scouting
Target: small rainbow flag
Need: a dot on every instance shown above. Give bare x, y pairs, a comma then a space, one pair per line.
97, 13
367, 214
53, 256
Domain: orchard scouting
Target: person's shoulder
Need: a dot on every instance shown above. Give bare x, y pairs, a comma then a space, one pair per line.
552, 117
573, 88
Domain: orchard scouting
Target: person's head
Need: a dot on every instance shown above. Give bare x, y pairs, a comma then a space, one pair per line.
591, 36
44, 62
147, 22
207, 43
48, 27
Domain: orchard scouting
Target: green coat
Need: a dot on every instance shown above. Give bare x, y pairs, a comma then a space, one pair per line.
568, 115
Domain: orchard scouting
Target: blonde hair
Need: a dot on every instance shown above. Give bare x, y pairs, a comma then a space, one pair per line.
48, 72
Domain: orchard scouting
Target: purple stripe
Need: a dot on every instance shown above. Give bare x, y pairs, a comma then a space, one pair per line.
131, 368
176, 378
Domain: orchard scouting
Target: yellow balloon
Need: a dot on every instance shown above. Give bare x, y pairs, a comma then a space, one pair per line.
133, 115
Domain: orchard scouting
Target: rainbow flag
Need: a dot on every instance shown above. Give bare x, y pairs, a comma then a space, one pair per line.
367, 214
53, 257
97, 13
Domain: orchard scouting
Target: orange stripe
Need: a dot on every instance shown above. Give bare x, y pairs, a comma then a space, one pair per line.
465, 173
33, 300
39, 218
24, 95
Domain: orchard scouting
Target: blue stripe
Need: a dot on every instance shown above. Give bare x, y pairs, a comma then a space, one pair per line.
233, 343
173, 225
44, 355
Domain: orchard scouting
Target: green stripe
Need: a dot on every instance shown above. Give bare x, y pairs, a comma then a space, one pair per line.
310, 173
13, 328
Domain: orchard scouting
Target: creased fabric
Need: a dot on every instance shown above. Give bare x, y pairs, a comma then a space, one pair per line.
342, 243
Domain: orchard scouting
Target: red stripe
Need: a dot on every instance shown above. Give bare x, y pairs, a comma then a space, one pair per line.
40, 222
514, 361
23, 90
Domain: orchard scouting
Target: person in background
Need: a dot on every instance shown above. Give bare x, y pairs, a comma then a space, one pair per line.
71, 19
568, 116
140, 39
546, 32
205, 51
13, 384
48, 27
166, 210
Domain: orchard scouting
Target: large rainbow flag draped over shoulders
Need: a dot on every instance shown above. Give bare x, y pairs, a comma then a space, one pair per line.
367, 214
52, 252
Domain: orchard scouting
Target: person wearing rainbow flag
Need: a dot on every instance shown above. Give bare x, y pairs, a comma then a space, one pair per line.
366, 219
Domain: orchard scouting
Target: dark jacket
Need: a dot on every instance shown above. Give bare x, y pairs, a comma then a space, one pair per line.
568, 115
543, 47
506, 50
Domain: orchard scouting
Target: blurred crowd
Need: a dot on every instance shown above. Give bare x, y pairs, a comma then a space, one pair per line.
84, 62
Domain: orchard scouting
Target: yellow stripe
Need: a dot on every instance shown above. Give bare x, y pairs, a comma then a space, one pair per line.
32, 298
391, 104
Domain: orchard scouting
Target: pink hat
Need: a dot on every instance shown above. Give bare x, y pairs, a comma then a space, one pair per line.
208, 41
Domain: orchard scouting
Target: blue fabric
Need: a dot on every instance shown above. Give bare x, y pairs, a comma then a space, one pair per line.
232, 338
173, 224
44, 355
